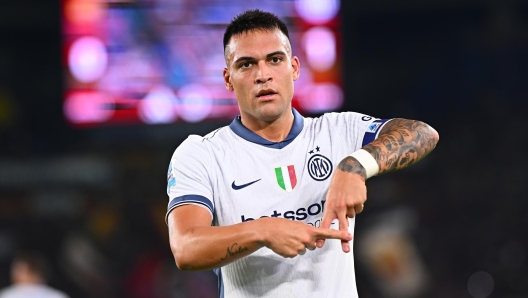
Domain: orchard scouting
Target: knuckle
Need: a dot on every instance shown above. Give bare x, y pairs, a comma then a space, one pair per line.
340, 205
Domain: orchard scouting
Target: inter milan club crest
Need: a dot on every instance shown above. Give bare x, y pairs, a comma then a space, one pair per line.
286, 177
319, 167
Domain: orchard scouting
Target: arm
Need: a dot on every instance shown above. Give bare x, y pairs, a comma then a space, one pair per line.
196, 245
400, 144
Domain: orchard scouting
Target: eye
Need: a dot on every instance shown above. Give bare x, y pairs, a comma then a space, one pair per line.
276, 59
244, 65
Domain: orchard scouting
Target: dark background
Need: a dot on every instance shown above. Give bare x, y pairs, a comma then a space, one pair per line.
93, 200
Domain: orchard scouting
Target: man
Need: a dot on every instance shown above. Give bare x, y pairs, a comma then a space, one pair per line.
28, 275
249, 199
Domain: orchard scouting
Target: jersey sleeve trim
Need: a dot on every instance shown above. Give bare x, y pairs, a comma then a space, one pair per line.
373, 131
189, 200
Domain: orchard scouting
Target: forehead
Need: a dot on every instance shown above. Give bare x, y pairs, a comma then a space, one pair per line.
257, 42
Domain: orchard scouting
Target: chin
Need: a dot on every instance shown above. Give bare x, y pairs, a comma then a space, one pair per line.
270, 112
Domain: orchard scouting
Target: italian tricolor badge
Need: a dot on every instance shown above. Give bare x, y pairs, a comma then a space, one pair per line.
286, 177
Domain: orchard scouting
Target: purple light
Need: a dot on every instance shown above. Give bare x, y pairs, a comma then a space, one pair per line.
195, 103
87, 59
322, 97
86, 107
320, 48
317, 11
158, 106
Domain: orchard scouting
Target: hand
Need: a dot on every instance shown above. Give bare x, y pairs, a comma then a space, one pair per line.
345, 199
290, 238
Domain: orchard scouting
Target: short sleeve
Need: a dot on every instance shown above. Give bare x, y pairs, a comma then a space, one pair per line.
188, 177
356, 129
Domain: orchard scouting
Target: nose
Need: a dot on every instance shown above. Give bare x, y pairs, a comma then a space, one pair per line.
263, 73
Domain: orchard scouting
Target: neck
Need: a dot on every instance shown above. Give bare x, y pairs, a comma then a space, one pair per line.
275, 131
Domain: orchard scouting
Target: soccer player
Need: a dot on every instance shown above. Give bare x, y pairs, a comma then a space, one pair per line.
249, 199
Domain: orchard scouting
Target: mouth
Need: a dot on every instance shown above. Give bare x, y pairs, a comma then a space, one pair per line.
266, 94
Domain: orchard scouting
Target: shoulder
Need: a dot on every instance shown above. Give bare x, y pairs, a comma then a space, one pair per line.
347, 116
340, 119
193, 145
198, 148
199, 142
218, 135
191, 151
192, 141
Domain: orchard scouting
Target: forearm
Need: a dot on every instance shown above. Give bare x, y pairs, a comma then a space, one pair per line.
198, 246
400, 144
208, 247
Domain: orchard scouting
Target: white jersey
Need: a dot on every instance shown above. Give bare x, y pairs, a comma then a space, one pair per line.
239, 176
31, 290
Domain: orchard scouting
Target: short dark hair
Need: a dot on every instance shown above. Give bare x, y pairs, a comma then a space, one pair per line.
254, 19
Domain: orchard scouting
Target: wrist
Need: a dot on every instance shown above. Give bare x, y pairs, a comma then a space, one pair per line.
261, 231
367, 163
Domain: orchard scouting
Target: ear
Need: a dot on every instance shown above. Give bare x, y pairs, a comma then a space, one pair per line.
227, 80
296, 65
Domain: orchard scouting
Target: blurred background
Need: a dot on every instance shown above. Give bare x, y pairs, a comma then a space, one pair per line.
96, 95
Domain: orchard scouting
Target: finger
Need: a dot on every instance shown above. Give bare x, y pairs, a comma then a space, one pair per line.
359, 208
333, 234
310, 245
328, 217
343, 222
351, 212
302, 252
343, 226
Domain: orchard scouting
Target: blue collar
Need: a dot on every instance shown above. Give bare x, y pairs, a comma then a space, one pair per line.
238, 128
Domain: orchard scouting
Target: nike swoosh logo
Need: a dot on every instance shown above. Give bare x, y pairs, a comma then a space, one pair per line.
237, 187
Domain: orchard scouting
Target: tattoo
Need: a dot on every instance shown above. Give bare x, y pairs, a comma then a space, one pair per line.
401, 143
351, 165
231, 251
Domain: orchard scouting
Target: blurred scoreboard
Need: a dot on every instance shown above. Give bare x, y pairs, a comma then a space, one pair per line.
158, 62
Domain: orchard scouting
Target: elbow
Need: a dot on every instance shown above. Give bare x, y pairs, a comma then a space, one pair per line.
435, 137
182, 264
430, 137
182, 260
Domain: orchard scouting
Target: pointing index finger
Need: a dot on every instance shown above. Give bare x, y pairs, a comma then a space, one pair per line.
328, 217
323, 233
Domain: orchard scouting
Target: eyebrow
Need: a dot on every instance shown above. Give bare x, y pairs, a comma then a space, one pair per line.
248, 58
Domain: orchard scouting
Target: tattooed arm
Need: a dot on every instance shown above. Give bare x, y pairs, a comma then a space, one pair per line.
400, 144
